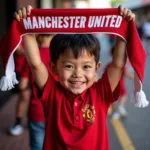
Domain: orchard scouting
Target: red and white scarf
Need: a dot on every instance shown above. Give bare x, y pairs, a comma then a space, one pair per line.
75, 21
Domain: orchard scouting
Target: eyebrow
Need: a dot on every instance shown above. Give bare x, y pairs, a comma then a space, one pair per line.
72, 62
66, 62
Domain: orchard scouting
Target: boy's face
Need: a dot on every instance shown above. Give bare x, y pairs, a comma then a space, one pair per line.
76, 74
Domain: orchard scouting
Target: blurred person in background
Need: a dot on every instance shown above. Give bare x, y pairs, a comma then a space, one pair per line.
23, 91
146, 34
66, 4
139, 29
36, 118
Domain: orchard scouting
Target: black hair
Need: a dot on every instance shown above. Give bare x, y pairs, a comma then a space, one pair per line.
76, 43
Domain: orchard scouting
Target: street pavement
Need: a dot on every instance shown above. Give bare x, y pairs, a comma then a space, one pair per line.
7, 118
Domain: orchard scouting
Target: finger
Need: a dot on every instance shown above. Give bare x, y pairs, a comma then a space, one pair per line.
24, 12
125, 10
121, 8
132, 16
20, 13
16, 16
28, 8
129, 15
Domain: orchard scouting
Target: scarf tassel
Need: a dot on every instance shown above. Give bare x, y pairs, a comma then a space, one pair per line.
8, 82
139, 99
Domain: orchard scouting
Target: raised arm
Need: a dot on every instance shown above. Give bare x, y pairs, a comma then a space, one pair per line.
115, 70
32, 53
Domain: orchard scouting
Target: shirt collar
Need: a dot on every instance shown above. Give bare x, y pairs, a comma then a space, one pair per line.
72, 96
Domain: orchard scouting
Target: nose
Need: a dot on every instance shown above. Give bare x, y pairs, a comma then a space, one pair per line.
77, 73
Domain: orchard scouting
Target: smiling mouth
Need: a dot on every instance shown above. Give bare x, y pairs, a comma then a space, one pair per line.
77, 83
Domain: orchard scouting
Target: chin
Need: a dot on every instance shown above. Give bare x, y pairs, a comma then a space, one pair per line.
76, 92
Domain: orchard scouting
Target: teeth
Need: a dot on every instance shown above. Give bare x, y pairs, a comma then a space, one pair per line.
76, 82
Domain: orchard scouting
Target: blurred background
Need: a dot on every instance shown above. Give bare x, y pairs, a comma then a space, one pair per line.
131, 132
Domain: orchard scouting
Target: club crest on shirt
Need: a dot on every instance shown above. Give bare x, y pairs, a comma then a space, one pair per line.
88, 113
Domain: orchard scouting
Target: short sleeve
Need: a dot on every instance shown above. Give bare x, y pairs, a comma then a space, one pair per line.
104, 89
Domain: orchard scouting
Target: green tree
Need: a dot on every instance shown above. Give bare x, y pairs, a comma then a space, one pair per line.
115, 2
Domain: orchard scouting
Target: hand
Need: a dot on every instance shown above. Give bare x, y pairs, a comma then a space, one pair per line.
126, 13
22, 12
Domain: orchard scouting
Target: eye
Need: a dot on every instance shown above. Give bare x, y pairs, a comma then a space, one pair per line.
87, 67
68, 66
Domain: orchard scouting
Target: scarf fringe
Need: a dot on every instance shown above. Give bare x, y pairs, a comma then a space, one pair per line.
139, 96
140, 99
8, 82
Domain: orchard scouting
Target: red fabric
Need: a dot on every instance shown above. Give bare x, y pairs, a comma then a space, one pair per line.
19, 60
66, 128
26, 70
127, 30
35, 109
19, 63
123, 90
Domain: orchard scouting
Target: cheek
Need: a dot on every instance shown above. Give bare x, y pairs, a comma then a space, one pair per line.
64, 75
90, 75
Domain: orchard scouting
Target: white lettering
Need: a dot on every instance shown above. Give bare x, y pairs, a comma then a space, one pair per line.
41, 22
118, 21
91, 21
82, 22
71, 21
66, 24
77, 21
34, 23
107, 20
112, 21
103, 19
47, 24
97, 21
60, 19
27, 23
58, 22
54, 22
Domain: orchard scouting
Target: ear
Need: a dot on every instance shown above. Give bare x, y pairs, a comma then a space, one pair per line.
53, 68
98, 67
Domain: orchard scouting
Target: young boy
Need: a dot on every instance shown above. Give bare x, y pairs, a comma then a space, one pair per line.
75, 107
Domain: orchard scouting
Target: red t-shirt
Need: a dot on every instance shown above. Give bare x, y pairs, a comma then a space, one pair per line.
35, 109
19, 63
123, 90
77, 122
